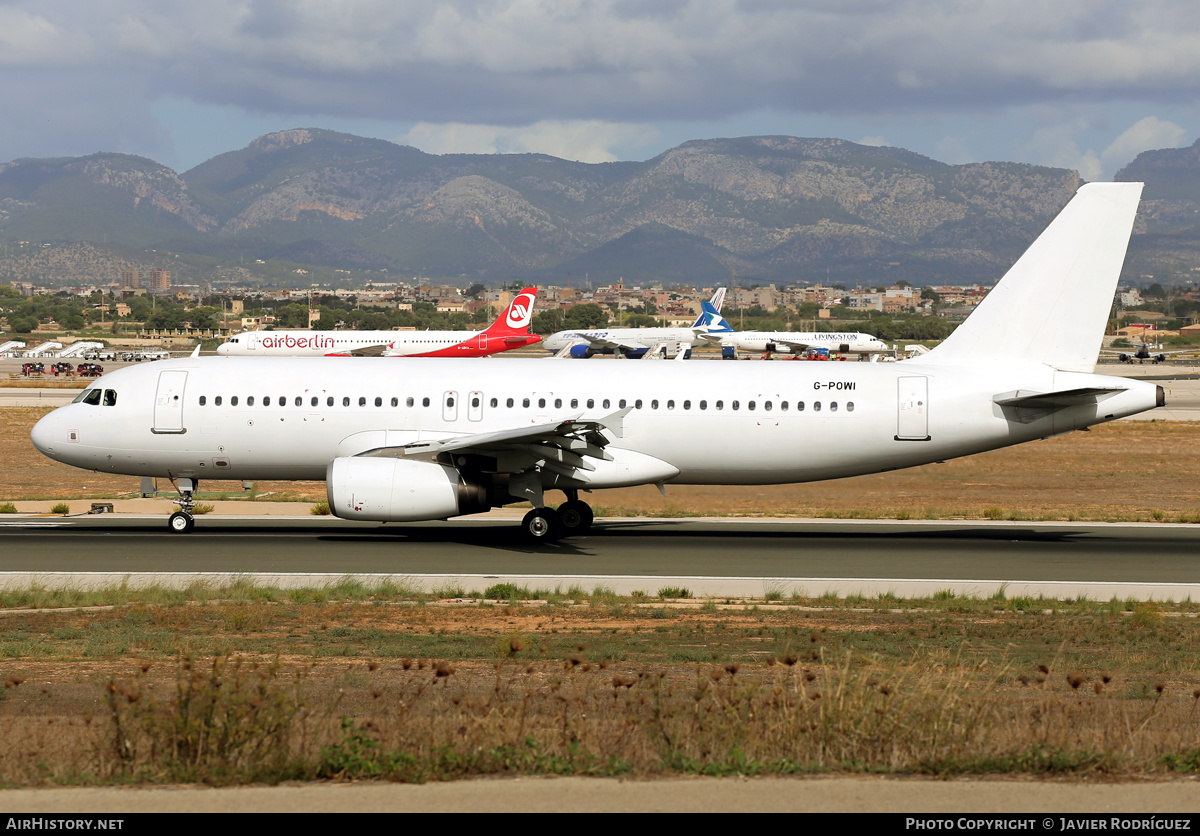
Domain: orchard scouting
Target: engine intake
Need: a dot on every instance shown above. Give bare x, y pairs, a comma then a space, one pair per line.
397, 490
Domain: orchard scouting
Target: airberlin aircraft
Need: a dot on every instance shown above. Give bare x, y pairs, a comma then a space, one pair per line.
427, 441
509, 331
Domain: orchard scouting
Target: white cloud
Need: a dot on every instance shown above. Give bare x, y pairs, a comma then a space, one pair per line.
876, 141
584, 141
1144, 135
584, 77
1056, 146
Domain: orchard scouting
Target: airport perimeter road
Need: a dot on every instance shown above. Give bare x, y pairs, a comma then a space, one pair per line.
711, 557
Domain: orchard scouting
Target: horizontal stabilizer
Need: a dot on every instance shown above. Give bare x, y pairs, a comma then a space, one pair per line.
1049, 401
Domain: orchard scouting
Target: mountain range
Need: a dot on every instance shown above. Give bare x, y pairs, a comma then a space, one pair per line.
771, 208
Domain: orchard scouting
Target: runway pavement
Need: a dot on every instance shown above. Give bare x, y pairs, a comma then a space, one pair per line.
713, 558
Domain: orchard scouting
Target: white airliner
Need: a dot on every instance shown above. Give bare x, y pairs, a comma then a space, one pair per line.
635, 342
798, 342
509, 331
398, 441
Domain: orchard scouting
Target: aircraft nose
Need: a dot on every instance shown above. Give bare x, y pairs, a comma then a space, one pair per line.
45, 435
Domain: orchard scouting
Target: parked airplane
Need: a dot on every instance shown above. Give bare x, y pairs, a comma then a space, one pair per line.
635, 342
1146, 351
797, 342
426, 441
509, 331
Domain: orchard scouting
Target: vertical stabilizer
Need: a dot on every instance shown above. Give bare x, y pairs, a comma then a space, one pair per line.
516, 317
1052, 306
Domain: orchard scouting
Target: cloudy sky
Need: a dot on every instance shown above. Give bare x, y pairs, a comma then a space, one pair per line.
1085, 84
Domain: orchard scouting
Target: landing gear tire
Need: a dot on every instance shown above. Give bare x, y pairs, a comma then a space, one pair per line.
542, 525
181, 523
575, 517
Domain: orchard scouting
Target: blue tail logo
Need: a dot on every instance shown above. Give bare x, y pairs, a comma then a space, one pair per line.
711, 321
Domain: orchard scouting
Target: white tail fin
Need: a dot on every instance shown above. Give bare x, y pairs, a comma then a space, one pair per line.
1052, 306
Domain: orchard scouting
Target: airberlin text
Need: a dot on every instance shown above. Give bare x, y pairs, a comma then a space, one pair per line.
291, 341
1048, 823
835, 385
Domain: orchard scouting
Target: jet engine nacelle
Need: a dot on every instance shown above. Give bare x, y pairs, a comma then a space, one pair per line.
399, 490
581, 351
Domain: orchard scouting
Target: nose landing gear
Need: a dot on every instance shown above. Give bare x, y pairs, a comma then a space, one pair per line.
182, 521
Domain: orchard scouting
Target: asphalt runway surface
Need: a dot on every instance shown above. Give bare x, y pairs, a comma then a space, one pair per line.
736, 558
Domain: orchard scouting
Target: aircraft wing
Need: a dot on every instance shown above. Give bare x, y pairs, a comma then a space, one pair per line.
561, 447
600, 343
370, 350
794, 346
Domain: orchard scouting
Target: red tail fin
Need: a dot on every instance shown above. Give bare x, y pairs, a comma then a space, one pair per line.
517, 317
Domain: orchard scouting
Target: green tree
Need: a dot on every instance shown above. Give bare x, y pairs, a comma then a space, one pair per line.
548, 322
589, 315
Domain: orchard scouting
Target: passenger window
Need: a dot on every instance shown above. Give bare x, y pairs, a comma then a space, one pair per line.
299, 401
509, 403
783, 405
267, 400
395, 401
849, 406
314, 401
687, 404
737, 404
424, 401
250, 401
329, 401
720, 404
767, 406
217, 400
541, 402
409, 401
591, 403
449, 402
525, 402
703, 405
362, 401
233, 401
574, 403
378, 401
654, 404
816, 406
345, 401
833, 406
637, 404
203, 400
558, 403
474, 403
670, 404
621, 403
799, 406
750, 406
606, 403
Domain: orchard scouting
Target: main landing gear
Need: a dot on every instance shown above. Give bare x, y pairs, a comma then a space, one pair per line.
182, 521
573, 517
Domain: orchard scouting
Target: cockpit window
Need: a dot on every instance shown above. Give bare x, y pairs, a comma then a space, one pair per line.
110, 397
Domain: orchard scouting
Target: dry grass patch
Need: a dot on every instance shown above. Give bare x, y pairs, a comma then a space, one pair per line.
275, 689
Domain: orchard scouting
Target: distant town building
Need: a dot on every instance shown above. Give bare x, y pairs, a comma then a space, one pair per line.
160, 280
131, 279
